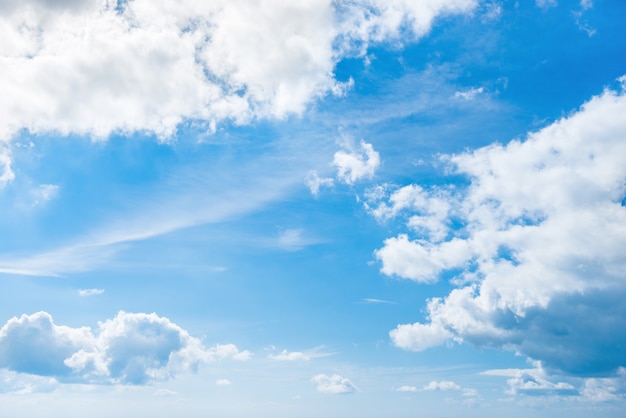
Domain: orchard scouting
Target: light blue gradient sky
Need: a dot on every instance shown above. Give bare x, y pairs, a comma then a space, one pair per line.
386, 208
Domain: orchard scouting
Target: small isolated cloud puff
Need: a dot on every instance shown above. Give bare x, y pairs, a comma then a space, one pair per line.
314, 182
289, 356
442, 385
537, 250
356, 165
334, 384
407, 389
132, 348
90, 292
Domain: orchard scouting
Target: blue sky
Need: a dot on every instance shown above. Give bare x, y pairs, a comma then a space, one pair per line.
355, 208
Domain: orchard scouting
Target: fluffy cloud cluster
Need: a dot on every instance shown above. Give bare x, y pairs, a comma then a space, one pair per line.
334, 384
357, 164
100, 66
535, 243
132, 348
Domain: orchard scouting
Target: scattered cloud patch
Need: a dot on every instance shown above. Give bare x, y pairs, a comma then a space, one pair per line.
90, 292
6, 173
546, 4
128, 349
407, 389
357, 164
289, 356
534, 243
314, 182
442, 385
334, 384
470, 94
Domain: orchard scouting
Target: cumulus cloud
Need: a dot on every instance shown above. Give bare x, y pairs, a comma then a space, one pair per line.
132, 348
334, 384
407, 388
534, 243
357, 164
442, 385
101, 66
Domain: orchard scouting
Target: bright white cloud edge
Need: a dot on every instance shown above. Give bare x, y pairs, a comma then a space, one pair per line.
540, 252
131, 348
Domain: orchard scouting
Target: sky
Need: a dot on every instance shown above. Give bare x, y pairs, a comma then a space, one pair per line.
321, 208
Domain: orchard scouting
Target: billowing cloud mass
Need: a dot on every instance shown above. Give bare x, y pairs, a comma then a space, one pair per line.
132, 348
100, 66
334, 384
535, 244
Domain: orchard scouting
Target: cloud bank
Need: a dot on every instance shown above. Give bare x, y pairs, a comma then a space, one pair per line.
535, 244
101, 66
132, 348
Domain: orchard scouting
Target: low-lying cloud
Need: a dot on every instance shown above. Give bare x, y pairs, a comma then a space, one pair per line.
132, 348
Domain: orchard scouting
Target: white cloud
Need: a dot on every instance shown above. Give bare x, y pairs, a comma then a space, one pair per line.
357, 164
470, 94
90, 292
421, 261
429, 212
314, 182
334, 384
289, 356
102, 66
539, 246
129, 349
6, 173
442, 385
407, 388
